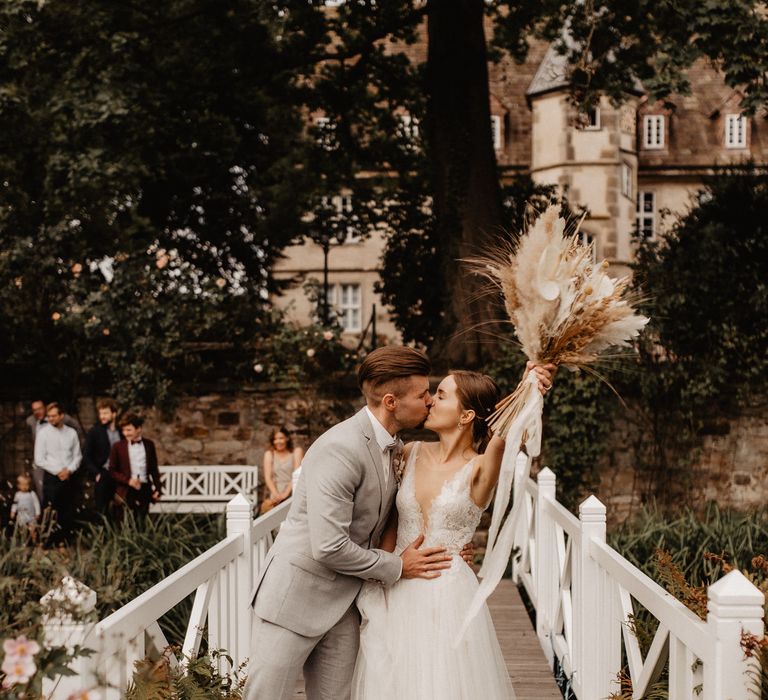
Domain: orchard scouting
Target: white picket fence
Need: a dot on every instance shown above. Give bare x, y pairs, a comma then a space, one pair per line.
204, 488
221, 580
585, 594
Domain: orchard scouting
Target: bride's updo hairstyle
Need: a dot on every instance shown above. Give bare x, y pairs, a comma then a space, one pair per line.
477, 392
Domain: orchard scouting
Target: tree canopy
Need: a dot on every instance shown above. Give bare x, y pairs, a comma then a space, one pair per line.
160, 156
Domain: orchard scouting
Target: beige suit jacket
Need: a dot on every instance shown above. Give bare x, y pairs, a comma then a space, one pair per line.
326, 547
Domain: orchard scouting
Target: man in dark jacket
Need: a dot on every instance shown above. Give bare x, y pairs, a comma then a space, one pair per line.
98, 445
133, 466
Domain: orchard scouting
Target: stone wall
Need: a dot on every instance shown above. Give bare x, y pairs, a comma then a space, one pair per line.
213, 428
731, 465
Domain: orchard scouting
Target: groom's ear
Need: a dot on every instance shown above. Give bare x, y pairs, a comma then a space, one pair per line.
389, 401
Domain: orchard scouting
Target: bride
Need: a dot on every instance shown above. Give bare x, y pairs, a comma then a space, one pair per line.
409, 634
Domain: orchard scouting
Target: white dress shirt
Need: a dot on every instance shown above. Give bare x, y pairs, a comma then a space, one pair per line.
385, 441
57, 449
137, 456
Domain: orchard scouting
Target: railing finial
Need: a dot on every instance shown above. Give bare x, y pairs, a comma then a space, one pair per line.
592, 510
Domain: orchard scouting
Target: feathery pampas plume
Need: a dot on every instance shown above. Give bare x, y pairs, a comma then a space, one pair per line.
565, 309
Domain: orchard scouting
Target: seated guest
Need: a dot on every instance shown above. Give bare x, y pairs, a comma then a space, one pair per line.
133, 466
279, 464
57, 452
98, 445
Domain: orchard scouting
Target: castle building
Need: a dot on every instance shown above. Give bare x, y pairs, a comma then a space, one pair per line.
633, 166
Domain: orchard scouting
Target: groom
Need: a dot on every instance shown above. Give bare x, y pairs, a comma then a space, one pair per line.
305, 615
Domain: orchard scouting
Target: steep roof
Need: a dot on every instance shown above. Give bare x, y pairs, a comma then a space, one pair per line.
552, 73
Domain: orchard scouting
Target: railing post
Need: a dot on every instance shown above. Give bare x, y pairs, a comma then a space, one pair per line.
239, 523
547, 578
735, 606
597, 645
67, 609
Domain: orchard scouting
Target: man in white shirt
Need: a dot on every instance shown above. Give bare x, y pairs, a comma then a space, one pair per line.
57, 452
36, 421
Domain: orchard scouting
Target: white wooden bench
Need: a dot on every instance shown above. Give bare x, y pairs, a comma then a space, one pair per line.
205, 488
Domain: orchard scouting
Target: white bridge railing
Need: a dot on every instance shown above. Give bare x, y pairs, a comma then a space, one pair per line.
222, 580
586, 595
197, 487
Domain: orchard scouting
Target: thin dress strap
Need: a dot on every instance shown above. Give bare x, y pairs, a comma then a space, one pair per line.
412, 457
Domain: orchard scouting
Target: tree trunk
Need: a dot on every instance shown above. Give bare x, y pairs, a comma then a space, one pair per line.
467, 196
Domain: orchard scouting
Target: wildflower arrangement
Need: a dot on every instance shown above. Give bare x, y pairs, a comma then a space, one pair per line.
565, 309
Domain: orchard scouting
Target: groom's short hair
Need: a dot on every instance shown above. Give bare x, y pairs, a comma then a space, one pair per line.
390, 364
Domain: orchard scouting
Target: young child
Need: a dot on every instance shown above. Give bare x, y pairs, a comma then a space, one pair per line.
25, 510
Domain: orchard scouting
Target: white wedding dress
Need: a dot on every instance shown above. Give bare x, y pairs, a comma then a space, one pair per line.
409, 647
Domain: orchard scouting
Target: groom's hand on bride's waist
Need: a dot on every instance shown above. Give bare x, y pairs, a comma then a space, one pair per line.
424, 563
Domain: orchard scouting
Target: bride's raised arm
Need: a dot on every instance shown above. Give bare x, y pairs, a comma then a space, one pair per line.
486, 474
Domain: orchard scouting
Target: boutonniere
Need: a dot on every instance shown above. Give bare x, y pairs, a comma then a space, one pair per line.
398, 465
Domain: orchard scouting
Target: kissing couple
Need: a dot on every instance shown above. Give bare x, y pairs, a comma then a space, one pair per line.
365, 587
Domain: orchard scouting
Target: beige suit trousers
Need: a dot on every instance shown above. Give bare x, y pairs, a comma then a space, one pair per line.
328, 661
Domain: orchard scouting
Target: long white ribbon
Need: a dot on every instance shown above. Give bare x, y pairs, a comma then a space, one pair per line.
501, 538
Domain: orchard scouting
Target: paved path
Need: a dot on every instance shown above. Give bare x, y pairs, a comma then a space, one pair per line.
530, 673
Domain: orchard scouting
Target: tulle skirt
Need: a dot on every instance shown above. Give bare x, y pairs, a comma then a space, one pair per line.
408, 642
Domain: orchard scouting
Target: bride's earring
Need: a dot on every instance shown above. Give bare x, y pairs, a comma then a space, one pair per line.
461, 426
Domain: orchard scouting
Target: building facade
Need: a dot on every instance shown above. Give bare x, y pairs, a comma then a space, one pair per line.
633, 166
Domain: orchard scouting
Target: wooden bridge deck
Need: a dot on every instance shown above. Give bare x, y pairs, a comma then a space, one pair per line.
528, 669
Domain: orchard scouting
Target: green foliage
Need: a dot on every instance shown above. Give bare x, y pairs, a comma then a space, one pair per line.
299, 356
708, 287
704, 355
577, 415
688, 536
199, 678
159, 142
614, 44
118, 562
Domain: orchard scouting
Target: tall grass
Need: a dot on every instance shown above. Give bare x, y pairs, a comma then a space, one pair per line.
688, 535
118, 562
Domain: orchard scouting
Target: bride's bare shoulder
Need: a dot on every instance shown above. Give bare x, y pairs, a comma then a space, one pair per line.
409, 447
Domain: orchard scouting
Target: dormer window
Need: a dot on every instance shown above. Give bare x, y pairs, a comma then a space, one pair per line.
653, 131
735, 131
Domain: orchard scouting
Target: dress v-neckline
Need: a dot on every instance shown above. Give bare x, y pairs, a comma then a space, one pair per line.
426, 522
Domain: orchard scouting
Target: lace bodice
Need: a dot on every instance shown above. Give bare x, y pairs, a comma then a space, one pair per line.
452, 518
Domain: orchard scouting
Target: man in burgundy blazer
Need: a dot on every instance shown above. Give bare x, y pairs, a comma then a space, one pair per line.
133, 466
